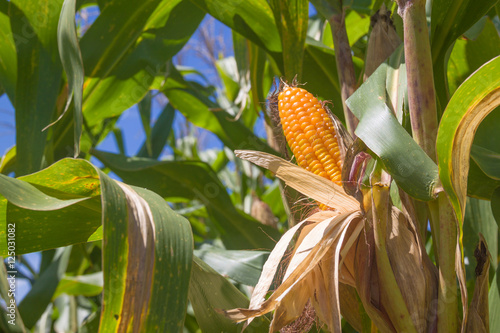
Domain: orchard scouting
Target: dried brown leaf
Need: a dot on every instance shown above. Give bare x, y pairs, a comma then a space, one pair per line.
350, 306
478, 319
382, 42
367, 281
313, 186
140, 261
291, 306
414, 272
315, 264
270, 268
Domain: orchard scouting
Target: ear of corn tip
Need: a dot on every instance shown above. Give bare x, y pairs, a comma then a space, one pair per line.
310, 133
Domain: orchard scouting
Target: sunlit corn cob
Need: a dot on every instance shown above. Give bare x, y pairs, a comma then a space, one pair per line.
310, 133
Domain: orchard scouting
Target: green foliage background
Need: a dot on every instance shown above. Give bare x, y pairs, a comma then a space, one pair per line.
208, 249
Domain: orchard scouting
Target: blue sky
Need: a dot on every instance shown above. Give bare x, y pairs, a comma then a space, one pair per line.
7, 124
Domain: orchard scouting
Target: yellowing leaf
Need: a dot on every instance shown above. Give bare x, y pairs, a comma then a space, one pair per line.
471, 103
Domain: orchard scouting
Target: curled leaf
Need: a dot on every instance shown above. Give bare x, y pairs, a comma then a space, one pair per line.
315, 187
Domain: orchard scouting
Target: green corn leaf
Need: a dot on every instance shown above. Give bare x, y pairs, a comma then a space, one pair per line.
479, 185
487, 160
241, 266
292, 18
192, 179
144, 241
160, 132
144, 107
141, 252
9, 298
38, 77
8, 62
209, 293
479, 219
87, 285
468, 55
494, 302
55, 207
125, 54
449, 20
72, 62
252, 19
379, 129
192, 101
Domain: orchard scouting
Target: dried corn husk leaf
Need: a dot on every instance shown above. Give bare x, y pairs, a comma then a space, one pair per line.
383, 40
415, 211
331, 273
347, 263
271, 266
343, 137
347, 254
305, 278
322, 215
415, 274
350, 306
367, 281
313, 238
327, 277
478, 319
329, 307
321, 299
315, 187
295, 302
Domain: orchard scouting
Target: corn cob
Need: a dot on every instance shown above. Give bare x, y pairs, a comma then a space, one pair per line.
310, 133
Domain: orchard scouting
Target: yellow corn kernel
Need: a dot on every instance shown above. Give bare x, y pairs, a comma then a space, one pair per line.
310, 133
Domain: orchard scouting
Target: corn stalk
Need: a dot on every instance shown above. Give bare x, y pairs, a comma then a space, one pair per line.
423, 115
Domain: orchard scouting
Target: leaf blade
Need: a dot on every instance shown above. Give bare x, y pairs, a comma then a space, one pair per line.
72, 62
470, 104
379, 129
38, 78
191, 179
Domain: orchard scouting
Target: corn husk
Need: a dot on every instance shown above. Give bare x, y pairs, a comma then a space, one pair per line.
383, 41
394, 277
313, 186
350, 305
335, 254
478, 318
367, 281
415, 274
312, 274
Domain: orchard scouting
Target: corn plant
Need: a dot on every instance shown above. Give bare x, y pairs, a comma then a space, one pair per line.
371, 204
